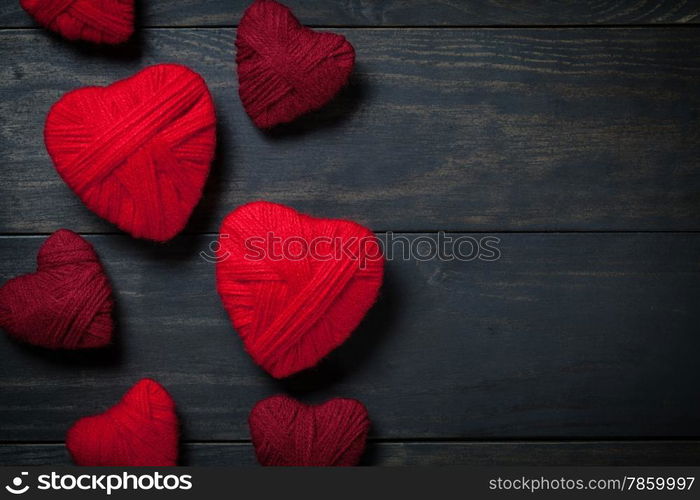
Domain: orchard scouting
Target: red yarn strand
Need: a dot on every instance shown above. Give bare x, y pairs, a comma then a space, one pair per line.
288, 433
99, 21
285, 69
141, 430
137, 152
66, 304
291, 313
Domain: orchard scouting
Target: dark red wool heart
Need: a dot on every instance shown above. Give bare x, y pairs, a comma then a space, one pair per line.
295, 286
284, 68
288, 433
137, 152
66, 303
141, 430
101, 21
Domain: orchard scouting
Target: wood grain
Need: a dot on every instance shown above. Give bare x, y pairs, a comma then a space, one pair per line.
567, 335
407, 12
520, 453
463, 130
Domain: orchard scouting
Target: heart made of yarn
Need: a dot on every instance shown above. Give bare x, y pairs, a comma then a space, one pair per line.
286, 69
140, 430
101, 21
66, 303
137, 152
286, 432
294, 286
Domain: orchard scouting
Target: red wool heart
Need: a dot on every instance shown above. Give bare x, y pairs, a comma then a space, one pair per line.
137, 152
140, 430
66, 303
295, 286
284, 68
100, 21
288, 433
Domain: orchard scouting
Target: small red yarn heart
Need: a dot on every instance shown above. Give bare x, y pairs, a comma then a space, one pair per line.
286, 69
137, 152
100, 21
66, 303
288, 433
140, 430
293, 307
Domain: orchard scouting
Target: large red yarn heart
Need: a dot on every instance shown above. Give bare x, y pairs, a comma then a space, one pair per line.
284, 68
295, 286
101, 21
141, 430
288, 433
66, 303
137, 152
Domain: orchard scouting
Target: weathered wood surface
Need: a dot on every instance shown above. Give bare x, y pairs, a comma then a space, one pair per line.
406, 12
567, 335
572, 129
521, 453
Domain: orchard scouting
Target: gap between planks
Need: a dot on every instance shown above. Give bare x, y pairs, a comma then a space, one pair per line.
413, 27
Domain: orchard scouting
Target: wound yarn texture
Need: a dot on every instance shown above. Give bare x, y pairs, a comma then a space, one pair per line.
138, 151
286, 432
140, 430
294, 286
100, 21
284, 68
66, 303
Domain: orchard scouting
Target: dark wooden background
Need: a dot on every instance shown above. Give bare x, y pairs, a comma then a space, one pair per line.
569, 130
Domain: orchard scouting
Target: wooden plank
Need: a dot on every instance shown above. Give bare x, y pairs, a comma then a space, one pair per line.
521, 453
566, 335
406, 12
464, 130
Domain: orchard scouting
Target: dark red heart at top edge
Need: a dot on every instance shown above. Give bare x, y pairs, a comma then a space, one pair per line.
140, 430
66, 303
286, 432
137, 152
103, 21
285, 69
291, 309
